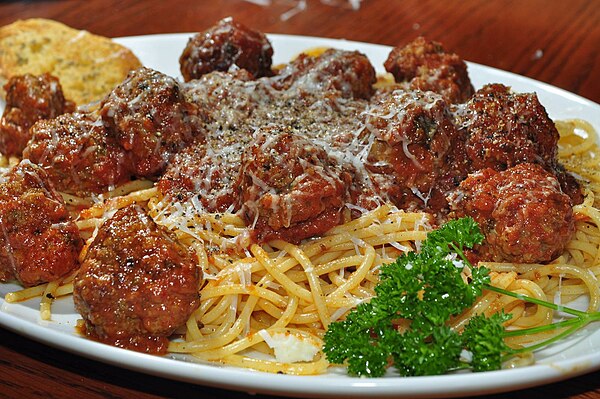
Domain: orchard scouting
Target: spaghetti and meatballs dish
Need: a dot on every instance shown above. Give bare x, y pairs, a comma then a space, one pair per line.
235, 214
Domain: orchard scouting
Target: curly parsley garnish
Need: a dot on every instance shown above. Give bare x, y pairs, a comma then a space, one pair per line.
405, 324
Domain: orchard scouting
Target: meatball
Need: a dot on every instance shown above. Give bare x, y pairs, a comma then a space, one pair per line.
150, 119
78, 155
347, 74
223, 46
39, 241
425, 65
506, 128
137, 284
289, 188
29, 99
208, 174
226, 100
522, 212
414, 158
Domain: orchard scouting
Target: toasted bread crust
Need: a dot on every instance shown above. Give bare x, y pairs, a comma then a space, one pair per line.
87, 65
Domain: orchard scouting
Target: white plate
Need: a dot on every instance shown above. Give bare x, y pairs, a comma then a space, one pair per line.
577, 355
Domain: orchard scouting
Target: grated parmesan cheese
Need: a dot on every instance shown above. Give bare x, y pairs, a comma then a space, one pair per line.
291, 348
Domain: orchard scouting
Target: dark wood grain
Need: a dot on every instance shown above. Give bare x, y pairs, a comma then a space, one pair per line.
553, 41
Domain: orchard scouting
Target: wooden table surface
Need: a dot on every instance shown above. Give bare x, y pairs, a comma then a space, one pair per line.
553, 41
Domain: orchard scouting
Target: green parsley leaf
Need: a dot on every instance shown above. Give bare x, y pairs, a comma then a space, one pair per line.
483, 338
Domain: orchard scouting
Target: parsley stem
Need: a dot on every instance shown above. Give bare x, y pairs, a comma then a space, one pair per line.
549, 341
540, 302
539, 329
460, 253
580, 320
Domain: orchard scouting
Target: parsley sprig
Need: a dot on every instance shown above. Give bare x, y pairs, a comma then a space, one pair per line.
406, 323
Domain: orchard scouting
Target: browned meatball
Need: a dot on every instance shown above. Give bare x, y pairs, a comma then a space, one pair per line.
137, 284
29, 99
150, 119
78, 154
412, 156
506, 128
209, 175
227, 44
39, 241
289, 187
425, 65
348, 74
226, 100
522, 212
